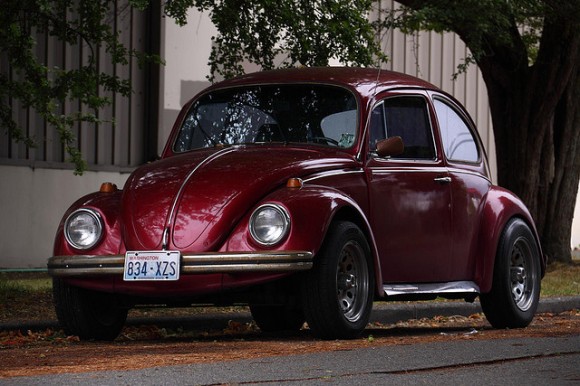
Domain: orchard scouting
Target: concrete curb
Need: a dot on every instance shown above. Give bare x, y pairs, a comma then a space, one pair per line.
386, 313
392, 313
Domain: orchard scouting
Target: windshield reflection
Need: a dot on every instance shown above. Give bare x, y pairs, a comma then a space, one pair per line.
323, 115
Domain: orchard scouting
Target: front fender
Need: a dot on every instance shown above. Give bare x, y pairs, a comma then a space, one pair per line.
107, 204
312, 208
501, 206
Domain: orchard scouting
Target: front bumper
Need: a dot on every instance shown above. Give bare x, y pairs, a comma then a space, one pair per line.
211, 262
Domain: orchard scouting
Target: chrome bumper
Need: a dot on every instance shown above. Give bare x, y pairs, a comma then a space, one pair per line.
213, 262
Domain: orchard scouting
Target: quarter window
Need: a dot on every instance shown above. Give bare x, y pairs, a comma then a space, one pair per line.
458, 141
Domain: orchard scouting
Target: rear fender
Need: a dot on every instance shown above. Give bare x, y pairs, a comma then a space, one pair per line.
312, 209
501, 206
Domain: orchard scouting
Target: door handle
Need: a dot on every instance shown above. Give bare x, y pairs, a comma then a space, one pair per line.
442, 180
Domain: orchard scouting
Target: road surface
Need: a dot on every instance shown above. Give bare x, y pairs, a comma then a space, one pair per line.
529, 361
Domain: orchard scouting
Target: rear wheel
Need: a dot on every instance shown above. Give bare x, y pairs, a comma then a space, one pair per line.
338, 291
515, 292
87, 314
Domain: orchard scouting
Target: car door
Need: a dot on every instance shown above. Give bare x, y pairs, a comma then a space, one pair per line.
469, 183
409, 194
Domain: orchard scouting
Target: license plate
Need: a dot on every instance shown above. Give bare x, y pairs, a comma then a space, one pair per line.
151, 265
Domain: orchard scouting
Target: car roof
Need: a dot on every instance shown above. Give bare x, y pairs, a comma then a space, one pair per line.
366, 81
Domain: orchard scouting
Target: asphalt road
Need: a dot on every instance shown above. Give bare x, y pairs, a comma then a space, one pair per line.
529, 361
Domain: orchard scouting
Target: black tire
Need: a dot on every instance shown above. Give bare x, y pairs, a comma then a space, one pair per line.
87, 314
277, 318
338, 291
515, 291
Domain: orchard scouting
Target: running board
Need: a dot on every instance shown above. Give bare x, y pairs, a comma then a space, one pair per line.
457, 287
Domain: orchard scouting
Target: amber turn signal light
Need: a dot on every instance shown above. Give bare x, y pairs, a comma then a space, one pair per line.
108, 187
294, 183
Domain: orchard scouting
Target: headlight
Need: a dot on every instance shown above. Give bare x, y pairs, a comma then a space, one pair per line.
269, 224
83, 228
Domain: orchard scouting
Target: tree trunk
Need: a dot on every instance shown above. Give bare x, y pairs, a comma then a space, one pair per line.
561, 198
535, 109
536, 120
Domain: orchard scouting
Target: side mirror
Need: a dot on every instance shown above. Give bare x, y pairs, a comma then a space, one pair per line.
390, 147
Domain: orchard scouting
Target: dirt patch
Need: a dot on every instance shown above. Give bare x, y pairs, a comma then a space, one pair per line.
50, 352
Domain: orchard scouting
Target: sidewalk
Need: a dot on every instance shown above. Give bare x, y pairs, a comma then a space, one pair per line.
386, 313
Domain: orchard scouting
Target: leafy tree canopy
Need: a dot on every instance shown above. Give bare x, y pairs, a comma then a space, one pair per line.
273, 33
265, 32
485, 24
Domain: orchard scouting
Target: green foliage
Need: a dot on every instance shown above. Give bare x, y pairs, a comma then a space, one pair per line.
482, 24
45, 89
264, 32
273, 33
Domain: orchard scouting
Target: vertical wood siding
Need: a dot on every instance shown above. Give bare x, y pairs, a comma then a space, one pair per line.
118, 141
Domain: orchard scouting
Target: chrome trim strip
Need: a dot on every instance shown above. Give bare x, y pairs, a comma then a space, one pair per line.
387, 170
455, 170
177, 197
331, 173
247, 262
431, 288
165, 239
209, 262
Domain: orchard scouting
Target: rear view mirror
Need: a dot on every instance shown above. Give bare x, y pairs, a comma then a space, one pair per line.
390, 147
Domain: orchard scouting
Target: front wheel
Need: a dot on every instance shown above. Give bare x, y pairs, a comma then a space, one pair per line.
515, 292
87, 314
338, 291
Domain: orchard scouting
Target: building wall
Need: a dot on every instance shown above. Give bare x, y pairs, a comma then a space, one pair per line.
186, 51
37, 185
118, 140
32, 204
32, 199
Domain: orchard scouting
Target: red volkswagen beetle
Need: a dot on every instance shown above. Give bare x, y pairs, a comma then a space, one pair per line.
307, 194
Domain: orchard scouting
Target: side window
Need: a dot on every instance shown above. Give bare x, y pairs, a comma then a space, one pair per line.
458, 141
405, 117
377, 126
408, 118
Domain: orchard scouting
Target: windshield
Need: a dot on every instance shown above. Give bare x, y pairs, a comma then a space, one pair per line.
323, 115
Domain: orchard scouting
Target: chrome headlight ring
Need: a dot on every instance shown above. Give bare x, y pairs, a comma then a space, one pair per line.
269, 224
83, 228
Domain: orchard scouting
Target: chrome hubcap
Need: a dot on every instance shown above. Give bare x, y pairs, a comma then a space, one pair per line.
352, 281
522, 275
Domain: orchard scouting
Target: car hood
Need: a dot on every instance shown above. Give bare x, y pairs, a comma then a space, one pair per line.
199, 196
